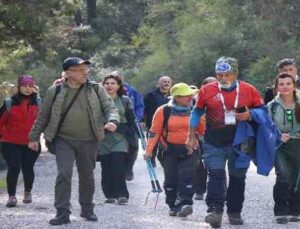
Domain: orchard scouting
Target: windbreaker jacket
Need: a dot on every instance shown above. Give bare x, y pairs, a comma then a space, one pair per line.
101, 109
137, 101
16, 124
257, 140
277, 111
152, 101
178, 128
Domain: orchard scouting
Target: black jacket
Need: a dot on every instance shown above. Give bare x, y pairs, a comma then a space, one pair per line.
152, 101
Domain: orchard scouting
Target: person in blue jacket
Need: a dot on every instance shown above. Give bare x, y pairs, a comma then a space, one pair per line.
138, 105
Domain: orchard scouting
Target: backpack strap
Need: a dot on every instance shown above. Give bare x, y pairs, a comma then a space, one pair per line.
273, 109
57, 90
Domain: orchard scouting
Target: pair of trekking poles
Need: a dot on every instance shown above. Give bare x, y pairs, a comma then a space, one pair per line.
156, 188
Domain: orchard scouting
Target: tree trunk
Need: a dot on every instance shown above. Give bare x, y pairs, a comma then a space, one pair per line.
91, 10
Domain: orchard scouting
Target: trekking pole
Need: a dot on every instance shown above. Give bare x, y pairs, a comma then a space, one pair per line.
154, 181
141, 135
151, 180
152, 177
158, 188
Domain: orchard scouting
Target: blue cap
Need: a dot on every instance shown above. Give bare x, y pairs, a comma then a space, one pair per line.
74, 61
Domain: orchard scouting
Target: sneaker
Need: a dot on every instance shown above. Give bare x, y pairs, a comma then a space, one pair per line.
235, 219
89, 217
122, 200
12, 202
110, 201
185, 211
282, 220
199, 196
214, 218
27, 197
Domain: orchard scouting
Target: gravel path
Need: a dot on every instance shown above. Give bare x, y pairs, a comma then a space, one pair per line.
257, 212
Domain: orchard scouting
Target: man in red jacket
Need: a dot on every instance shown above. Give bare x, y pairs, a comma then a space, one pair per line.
224, 102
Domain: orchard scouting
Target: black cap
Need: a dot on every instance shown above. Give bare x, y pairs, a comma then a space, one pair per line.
73, 61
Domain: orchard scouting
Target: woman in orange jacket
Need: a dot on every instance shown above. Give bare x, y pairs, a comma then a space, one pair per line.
177, 161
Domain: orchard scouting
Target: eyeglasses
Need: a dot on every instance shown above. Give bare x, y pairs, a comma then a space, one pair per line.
79, 70
289, 115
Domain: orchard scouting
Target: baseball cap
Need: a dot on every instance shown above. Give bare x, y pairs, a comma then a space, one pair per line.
74, 61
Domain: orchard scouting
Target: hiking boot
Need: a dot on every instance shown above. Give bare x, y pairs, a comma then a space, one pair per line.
173, 212
122, 200
199, 196
27, 197
62, 217
12, 202
282, 219
214, 218
294, 219
235, 219
110, 201
185, 211
89, 217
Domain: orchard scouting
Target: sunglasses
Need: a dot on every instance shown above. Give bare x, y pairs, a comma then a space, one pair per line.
289, 115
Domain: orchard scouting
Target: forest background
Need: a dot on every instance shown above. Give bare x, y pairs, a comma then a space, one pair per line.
148, 38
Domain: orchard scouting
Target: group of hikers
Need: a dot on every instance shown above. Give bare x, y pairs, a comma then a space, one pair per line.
194, 132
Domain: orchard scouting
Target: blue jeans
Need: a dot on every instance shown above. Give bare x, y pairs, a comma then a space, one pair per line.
215, 159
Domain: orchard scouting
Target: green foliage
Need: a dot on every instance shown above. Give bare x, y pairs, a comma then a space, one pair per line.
261, 73
145, 39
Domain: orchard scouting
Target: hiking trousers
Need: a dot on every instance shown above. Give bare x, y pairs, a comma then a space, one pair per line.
215, 159
84, 154
178, 179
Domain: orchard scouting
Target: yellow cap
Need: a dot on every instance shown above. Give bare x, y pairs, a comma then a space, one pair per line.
181, 89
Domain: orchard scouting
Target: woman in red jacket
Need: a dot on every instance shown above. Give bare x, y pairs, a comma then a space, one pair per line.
17, 116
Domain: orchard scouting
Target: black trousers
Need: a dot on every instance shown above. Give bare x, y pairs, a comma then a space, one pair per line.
199, 174
178, 180
131, 158
19, 157
113, 175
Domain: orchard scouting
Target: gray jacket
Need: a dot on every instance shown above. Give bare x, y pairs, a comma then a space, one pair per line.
277, 111
101, 109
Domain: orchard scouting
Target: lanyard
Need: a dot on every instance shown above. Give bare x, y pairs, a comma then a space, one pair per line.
236, 97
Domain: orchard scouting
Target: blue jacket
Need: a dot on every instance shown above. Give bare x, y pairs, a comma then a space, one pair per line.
137, 100
257, 141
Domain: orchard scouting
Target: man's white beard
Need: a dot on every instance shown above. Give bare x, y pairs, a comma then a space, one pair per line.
225, 85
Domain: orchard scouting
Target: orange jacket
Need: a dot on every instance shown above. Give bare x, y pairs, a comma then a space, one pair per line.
178, 127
